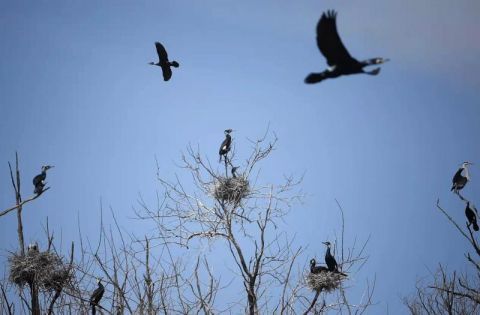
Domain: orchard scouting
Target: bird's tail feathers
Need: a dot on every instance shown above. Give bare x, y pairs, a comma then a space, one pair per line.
174, 64
314, 78
94, 310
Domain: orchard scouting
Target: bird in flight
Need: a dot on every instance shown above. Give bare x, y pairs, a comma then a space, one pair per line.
163, 62
338, 57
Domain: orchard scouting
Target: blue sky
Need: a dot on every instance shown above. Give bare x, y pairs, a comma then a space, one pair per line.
76, 92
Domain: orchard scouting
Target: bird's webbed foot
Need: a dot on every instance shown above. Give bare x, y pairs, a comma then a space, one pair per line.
373, 72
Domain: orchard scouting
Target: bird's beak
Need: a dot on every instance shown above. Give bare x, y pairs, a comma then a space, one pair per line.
386, 59
324, 243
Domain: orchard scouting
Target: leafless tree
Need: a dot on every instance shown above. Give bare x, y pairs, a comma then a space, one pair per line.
247, 218
450, 292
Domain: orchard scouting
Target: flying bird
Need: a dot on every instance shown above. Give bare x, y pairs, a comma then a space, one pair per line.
163, 62
330, 260
225, 146
97, 296
338, 57
39, 180
461, 177
316, 269
471, 214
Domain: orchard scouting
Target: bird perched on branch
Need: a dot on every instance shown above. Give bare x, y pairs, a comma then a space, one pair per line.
97, 296
330, 260
39, 180
338, 57
225, 146
316, 269
471, 214
163, 62
461, 177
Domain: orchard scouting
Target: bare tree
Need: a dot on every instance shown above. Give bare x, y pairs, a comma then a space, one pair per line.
450, 292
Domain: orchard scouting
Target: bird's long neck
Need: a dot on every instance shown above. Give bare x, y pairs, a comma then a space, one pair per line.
369, 62
465, 171
328, 251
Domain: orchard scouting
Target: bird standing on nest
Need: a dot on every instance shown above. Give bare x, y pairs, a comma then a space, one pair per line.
330, 260
163, 62
338, 57
97, 296
461, 177
471, 214
234, 171
316, 269
39, 180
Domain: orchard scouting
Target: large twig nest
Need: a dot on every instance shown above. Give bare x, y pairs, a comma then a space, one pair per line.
230, 189
45, 268
326, 281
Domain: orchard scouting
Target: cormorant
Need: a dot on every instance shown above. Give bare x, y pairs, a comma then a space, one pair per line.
330, 260
316, 269
33, 247
39, 180
225, 146
163, 62
459, 181
338, 58
234, 170
471, 214
97, 296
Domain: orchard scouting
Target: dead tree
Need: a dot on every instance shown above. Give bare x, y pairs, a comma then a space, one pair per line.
450, 292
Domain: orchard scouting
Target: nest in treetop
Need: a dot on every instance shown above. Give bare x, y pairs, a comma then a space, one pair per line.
45, 268
230, 189
324, 281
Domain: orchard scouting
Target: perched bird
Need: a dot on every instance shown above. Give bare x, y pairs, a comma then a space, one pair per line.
330, 260
97, 296
459, 181
316, 269
225, 146
39, 180
32, 247
163, 62
471, 214
234, 170
338, 58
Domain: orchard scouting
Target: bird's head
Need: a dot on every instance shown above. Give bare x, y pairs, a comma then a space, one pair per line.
465, 164
99, 280
327, 243
228, 131
379, 60
312, 262
46, 167
234, 169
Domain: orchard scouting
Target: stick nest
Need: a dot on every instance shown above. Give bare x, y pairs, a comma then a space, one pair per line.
45, 268
326, 281
231, 190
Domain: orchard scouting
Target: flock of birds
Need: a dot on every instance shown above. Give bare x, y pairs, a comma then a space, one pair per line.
340, 63
329, 43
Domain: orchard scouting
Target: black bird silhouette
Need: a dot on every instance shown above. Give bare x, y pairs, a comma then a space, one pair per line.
338, 58
316, 269
39, 180
459, 181
225, 146
471, 214
163, 62
330, 260
97, 296
234, 171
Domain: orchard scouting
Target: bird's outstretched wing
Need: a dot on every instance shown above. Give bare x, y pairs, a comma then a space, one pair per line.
329, 41
167, 72
162, 53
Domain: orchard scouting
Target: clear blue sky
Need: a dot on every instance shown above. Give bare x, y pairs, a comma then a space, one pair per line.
76, 92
